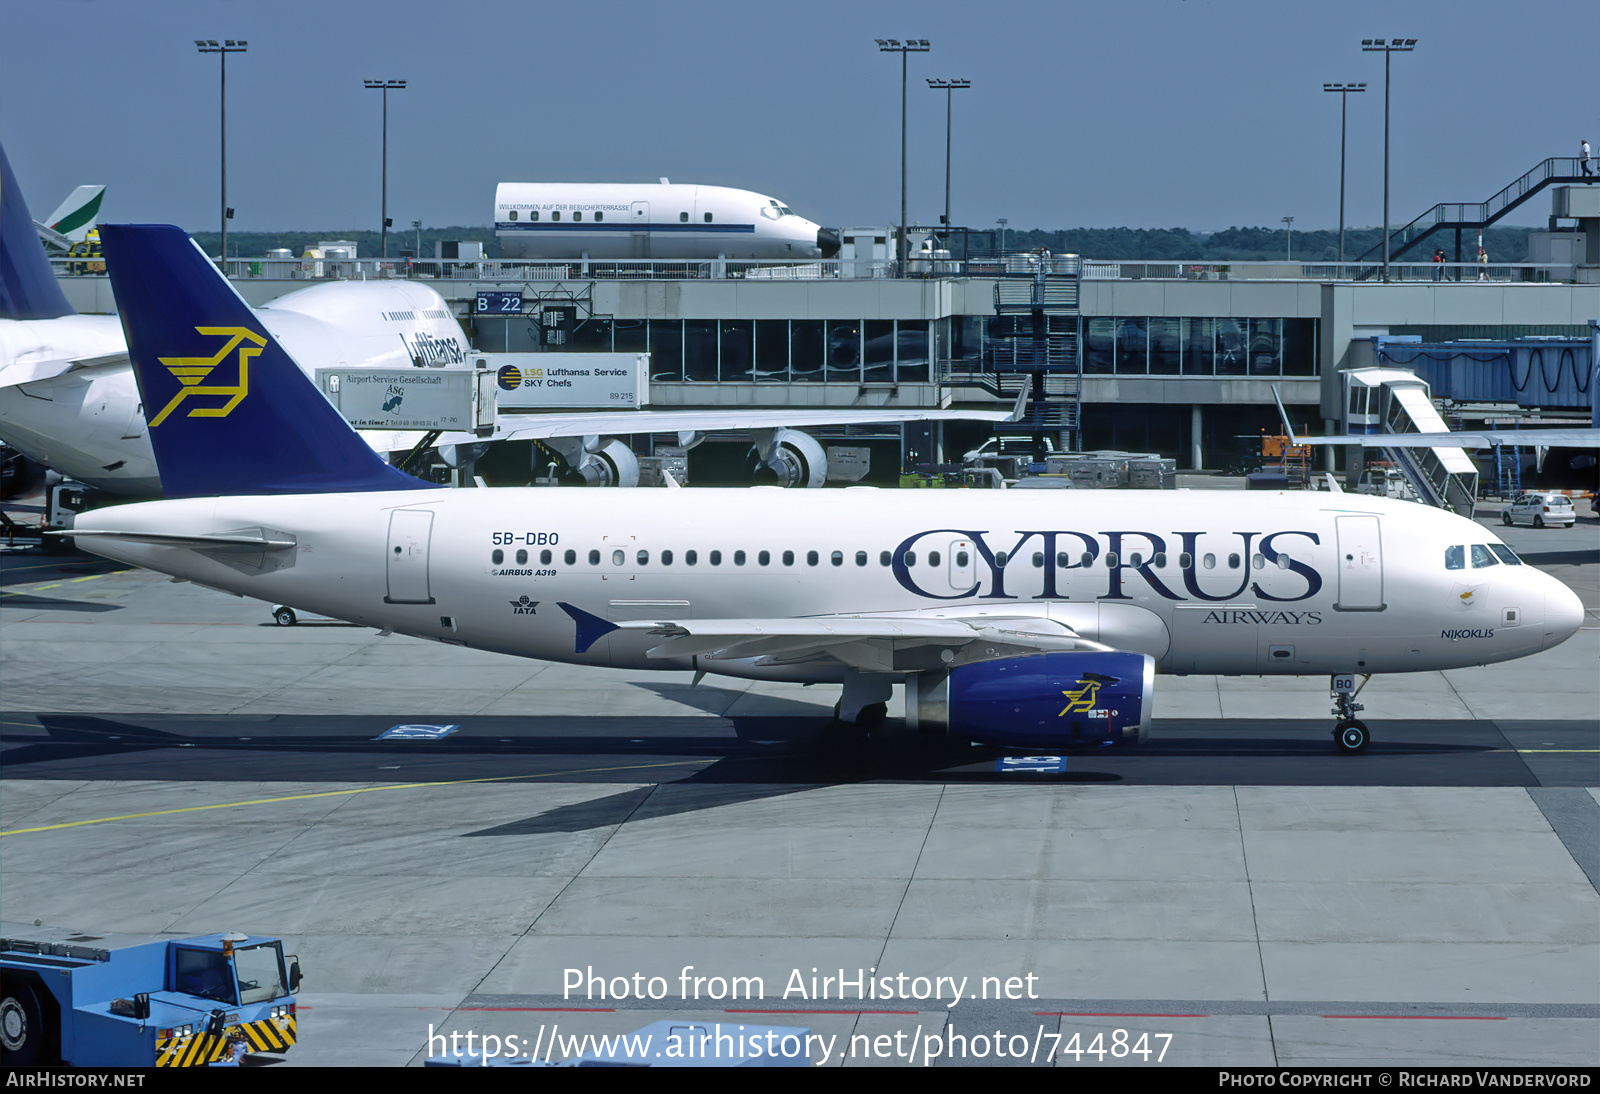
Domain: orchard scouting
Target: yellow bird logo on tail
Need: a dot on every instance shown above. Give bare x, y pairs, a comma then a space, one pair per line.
192, 371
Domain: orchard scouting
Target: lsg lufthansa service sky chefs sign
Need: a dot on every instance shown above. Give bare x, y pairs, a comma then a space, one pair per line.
549, 381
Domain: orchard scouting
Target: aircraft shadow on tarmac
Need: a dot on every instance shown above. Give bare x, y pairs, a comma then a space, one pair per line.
692, 764
53, 604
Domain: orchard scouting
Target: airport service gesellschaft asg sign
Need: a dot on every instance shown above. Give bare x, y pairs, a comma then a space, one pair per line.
550, 381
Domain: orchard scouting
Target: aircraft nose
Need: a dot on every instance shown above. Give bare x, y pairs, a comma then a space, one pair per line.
827, 242
1563, 615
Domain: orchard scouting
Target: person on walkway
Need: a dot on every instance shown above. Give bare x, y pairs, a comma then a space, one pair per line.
1483, 263
1584, 156
1438, 264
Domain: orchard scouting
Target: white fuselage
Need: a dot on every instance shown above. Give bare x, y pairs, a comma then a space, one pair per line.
1283, 583
606, 221
88, 423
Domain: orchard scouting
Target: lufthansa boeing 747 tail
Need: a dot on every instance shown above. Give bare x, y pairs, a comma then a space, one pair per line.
229, 411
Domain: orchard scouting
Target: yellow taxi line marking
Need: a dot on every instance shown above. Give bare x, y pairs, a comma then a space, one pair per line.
333, 794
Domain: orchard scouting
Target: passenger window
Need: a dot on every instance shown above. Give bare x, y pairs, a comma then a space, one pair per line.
708, 218
1038, 560
1000, 559
933, 558
1209, 562
1161, 560
513, 214
577, 216
594, 558
1506, 554
861, 558
644, 558
691, 557
884, 558
555, 216
599, 216
534, 215
1185, 560
910, 559
837, 558
544, 558
738, 558
1283, 561
617, 557
963, 559
788, 558
715, 558
1455, 558
1087, 559
522, 558
1135, 559
764, 557
1259, 560
498, 557
1111, 560
666, 558
1233, 561
1482, 556
570, 558
811, 558
683, 218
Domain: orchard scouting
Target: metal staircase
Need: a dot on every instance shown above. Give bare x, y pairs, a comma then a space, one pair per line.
1473, 216
1035, 344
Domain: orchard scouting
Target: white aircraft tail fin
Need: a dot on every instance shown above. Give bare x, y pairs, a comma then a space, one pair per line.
75, 217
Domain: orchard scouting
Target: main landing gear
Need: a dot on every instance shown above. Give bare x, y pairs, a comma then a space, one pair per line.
1350, 732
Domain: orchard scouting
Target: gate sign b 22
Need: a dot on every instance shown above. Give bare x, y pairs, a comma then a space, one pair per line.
499, 303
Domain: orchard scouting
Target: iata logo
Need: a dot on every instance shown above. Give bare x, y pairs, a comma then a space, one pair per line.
191, 372
509, 377
523, 606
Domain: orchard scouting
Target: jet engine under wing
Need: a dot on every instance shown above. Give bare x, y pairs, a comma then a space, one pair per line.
1467, 438
865, 642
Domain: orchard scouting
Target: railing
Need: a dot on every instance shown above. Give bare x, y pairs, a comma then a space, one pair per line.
522, 271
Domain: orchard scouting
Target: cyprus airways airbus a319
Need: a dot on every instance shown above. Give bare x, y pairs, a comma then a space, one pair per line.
1016, 619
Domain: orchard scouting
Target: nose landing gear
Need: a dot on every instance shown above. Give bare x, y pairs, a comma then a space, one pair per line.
1350, 732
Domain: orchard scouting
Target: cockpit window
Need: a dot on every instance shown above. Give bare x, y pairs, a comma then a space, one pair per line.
1507, 555
1455, 558
1482, 556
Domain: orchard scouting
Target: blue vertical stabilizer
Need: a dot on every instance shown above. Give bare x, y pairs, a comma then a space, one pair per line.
230, 412
28, 287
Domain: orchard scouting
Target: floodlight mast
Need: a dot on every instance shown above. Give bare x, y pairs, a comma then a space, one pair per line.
222, 49
894, 45
947, 86
1344, 98
385, 86
1393, 46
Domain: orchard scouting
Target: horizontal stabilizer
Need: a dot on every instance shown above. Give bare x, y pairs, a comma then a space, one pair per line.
195, 542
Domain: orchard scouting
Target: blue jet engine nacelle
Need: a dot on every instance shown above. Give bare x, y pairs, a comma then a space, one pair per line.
1047, 701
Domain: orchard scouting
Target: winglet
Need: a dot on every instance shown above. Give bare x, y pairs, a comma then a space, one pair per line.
1021, 405
591, 628
230, 411
1288, 429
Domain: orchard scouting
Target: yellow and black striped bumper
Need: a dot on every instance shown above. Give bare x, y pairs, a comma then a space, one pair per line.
200, 1049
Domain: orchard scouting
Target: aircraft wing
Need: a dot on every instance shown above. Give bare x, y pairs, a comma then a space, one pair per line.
623, 422
1484, 438
865, 642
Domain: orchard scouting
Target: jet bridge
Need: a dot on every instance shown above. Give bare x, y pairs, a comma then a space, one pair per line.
1391, 400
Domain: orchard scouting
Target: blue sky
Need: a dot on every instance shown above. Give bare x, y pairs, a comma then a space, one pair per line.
1145, 113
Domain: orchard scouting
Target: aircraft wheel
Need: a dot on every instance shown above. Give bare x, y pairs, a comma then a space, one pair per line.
1352, 736
283, 617
873, 715
1538, 521
21, 1025
1505, 518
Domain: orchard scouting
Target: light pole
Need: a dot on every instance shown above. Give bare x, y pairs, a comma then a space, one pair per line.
1394, 45
910, 45
222, 49
385, 86
947, 86
416, 226
1288, 239
1344, 91
1002, 222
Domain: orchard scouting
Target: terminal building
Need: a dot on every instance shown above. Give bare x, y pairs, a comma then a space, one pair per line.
1178, 359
